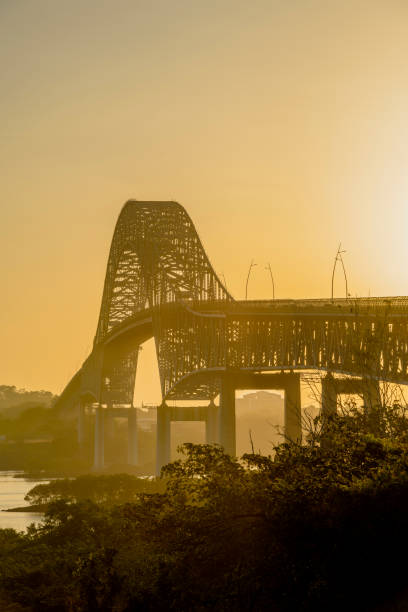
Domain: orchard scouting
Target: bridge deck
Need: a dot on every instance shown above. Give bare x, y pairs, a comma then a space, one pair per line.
160, 283
394, 305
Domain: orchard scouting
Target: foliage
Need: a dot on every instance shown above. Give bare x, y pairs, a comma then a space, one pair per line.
38, 438
314, 527
13, 400
109, 490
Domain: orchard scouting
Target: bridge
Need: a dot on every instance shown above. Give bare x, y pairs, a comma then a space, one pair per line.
160, 284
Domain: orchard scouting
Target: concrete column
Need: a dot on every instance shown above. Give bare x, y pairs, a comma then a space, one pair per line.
81, 423
99, 457
293, 414
329, 396
211, 425
162, 437
329, 407
371, 394
109, 426
226, 417
132, 437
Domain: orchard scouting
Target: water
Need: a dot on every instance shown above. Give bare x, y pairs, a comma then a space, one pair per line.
12, 492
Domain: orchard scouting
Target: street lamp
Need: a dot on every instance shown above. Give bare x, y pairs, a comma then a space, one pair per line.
268, 267
336, 259
249, 273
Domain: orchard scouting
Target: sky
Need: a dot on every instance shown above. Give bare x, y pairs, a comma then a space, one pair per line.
280, 125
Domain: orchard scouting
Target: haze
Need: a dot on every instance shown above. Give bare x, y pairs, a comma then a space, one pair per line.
280, 126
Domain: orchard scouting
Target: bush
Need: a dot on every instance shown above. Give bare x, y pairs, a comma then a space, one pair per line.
315, 527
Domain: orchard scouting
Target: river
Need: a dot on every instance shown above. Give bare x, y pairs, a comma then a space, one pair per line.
12, 492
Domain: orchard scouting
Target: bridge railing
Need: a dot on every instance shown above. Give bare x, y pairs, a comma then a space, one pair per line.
397, 304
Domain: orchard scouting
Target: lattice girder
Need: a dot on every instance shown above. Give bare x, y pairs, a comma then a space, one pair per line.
158, 272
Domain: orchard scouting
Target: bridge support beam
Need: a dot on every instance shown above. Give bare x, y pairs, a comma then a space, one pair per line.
289, 382
329, 406
226, 417
211, 425
132, 437
329, 396
293, 413
368, 388
99, 456
168, 414
162, 437
371, 394
108, 428
81, 424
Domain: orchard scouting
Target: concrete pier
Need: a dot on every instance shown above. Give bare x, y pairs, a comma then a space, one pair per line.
371, 394
211, 424
293, 412
329, 396
289, 382
99, 456
81, 424
368, 388
162, 437
226, 417
132, 437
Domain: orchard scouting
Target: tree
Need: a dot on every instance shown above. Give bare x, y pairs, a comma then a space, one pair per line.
311, 527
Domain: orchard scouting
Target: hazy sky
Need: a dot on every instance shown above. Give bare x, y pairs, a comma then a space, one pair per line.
281, 126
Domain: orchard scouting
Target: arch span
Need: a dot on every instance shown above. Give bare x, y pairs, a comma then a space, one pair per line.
159, 283
156, 258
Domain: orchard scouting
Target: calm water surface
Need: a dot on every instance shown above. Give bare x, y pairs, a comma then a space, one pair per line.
12, 492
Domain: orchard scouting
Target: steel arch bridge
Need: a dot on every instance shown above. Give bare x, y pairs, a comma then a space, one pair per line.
160, 283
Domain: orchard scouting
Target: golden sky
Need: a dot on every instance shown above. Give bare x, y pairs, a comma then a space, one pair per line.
281, 126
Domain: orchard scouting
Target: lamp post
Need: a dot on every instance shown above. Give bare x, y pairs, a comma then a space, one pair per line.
336, 259
249, 273
268, 267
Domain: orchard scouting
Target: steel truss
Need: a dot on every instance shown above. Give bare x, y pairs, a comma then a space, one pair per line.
159, 283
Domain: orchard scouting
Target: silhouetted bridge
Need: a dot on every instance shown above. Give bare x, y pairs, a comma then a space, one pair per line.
159, 283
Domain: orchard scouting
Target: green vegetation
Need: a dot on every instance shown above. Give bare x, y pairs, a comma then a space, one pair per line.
38, 439
317, 527
42, 441
33, 435
13, 401
109, 490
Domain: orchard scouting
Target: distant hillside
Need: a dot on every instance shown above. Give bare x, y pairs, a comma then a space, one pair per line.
13, 401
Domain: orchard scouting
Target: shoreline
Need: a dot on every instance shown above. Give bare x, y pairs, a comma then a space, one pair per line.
36, 508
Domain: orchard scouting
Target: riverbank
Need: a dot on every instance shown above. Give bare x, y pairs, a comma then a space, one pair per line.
15, 512
36, 508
